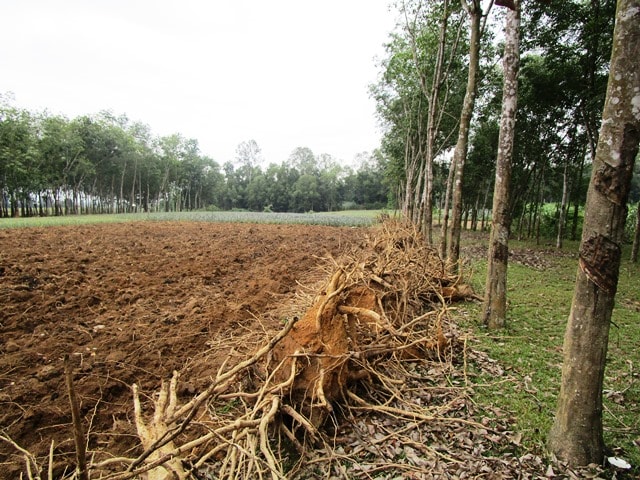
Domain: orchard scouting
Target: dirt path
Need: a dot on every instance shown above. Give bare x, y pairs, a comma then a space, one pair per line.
130, 303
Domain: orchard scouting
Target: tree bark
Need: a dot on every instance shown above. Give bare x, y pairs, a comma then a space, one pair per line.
474, 11
576, 435
495, 301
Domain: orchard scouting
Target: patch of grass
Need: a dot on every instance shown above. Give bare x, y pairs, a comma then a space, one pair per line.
530, 348
622, 375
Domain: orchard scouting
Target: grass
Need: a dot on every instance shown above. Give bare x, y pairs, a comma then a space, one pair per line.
530, 349
342, 218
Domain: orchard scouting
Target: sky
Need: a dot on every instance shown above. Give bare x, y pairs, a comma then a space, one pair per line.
285, 73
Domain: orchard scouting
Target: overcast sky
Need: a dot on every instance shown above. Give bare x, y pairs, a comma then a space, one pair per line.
286, 73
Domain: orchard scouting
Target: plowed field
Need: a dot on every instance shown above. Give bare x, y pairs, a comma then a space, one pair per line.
130, 303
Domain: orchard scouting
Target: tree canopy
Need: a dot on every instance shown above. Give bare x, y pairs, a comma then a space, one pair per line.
562, 81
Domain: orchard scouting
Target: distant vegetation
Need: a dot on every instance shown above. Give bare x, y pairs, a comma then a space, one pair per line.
52, 165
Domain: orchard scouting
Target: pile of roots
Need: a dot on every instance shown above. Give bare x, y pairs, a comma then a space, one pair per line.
381, 308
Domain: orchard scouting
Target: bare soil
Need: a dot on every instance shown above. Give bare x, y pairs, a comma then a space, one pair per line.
130, 303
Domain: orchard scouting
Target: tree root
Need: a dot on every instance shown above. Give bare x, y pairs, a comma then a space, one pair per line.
381, 307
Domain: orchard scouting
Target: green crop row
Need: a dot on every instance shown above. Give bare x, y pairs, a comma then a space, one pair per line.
351, 218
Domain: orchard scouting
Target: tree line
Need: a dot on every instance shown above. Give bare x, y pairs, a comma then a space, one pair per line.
103, 163
439, 95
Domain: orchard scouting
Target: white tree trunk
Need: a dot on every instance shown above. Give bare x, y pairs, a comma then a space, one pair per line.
474, 10
495, 302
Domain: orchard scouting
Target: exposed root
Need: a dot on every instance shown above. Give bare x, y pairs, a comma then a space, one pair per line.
154, 435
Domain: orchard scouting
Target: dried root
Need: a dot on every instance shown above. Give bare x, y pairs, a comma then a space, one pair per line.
154, 435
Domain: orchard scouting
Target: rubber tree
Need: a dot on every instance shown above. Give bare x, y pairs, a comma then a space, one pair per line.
576, 436
475, 14
432, 80
495, 300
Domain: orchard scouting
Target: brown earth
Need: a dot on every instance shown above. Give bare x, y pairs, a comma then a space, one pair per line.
130, 303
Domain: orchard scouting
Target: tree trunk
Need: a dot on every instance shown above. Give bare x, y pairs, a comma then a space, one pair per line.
447, 200
539, 206
121, 199
432, 97
474, 10
484, 205
636, 237
132, 195
426, 202
417, 188
409, 168
576, 435
465, 222
576, 203
112, 198
495, 300
474, 212
562, 218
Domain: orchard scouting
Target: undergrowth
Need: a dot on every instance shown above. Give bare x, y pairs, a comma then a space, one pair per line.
540, 290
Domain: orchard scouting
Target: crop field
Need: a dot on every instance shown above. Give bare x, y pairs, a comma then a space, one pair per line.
337, 219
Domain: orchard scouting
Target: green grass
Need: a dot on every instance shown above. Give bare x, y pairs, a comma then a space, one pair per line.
530, 349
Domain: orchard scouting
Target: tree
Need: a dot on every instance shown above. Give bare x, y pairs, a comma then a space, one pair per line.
305, 196
422, 82
474, 11
249, 157
562, 96
257, 193
576, 436
281, 179
303, 160
17, 150
431, 88
636, 236
330, 179
64, 164
495, 300
481, 160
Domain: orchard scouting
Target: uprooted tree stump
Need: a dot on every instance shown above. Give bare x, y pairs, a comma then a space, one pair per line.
380, 305
387, 300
